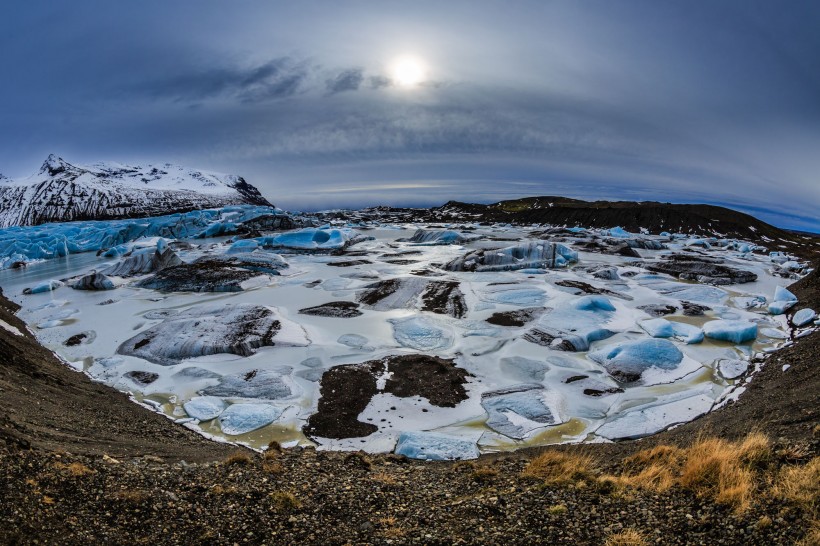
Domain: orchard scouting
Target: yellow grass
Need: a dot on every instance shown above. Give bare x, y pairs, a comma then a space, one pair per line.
555, 467
800, 484
389, 528
627, 537
712, 468
812, 537
483, 473
383, 478
283, 501
75, 470
237, 458
272, 467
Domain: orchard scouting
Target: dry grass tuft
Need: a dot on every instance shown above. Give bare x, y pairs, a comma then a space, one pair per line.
284, 501
627, 537
237, 458
557, 509
389, 528
712, 468
384, 478
555, 467
800, 484
75, 470
272, 467
755, 450
483, 473
812, 537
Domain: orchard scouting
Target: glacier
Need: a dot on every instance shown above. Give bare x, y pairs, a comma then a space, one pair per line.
20, 245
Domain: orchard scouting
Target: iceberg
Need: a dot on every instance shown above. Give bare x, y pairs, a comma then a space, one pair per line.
204, 408
143, 261
520, 410
783, 300
45, 286
575, 326
803, 317
242, 418
312, 239
429, 237
732, 368
531, 255
734, 331
212, 329
656, 417
264, 384
628, 360
94, 281
432, 446
421, 333
663, 328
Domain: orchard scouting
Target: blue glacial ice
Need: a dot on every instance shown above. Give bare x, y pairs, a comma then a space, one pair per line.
803, 317
530, 255
94, 281
310, 239
421, 333
593, 303
628, 360
657, 416
273, 384
432, 446
516, 296
43, 242
578, 324
45, 286
683, 291
204, 408
520, 410
523, 369
617, 231
213, 329
242, 418
660, 327
428, 237
783, 300
732, 368
734, 331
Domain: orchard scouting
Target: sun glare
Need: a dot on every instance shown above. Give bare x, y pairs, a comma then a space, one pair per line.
408, 71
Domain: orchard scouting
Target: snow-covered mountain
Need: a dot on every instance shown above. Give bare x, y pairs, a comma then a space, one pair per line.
61, 192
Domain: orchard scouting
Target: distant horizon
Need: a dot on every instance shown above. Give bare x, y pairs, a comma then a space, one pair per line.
771, 216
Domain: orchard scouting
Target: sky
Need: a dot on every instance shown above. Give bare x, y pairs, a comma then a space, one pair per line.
353, 103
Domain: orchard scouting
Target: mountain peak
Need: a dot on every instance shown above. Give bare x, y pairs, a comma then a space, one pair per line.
54, 165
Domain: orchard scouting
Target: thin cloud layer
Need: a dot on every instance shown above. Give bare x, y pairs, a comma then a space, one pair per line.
711, 102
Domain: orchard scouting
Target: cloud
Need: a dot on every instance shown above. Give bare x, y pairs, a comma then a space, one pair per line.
275, 79
347, 80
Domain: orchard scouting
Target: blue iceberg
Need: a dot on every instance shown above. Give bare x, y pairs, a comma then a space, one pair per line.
734, 331
803, 317
242, 418
431, 446
628, 360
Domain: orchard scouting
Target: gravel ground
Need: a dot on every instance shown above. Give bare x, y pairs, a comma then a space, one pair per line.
80, 465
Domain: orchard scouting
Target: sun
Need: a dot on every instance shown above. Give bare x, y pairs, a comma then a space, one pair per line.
408, 71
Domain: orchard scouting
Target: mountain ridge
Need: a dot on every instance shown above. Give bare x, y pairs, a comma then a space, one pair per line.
61, 191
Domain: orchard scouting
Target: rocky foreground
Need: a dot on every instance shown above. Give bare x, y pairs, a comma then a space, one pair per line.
74, 473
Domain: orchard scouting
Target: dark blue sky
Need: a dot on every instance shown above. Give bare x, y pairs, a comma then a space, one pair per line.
688, 101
